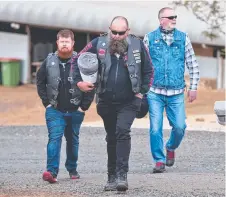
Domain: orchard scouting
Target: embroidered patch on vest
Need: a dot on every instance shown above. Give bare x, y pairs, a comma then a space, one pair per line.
136, 55
136, 51
87, 47
125, 60
101, 52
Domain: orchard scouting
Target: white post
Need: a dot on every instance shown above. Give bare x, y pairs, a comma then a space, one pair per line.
223, 72
28, 31
87, 38
219, 70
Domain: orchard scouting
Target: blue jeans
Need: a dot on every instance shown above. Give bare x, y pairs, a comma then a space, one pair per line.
175, 112
59, 123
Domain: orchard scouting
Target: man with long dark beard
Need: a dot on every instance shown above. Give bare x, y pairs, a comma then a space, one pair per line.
125, 74
65, 105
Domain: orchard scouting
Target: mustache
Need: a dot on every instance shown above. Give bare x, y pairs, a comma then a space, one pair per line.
118, 46
63, 53
62, 49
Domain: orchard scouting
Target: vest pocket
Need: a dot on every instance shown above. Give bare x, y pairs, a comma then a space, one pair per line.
156, 50
176, 50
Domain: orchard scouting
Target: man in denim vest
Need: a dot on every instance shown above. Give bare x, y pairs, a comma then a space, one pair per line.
170, 49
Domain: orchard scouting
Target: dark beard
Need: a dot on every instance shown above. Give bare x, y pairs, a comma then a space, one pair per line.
118, 46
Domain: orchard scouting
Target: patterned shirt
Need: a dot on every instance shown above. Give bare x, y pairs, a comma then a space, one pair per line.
190, 61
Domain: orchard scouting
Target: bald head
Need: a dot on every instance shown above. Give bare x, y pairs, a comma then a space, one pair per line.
120, 19
167, 18
119, 28
161, 12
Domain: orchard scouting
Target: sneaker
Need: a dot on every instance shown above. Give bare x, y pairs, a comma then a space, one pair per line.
170, 158
159, 167
122, 183
111, 183
47, 176
74, 175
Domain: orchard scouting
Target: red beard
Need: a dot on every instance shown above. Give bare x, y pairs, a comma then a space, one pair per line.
64, 54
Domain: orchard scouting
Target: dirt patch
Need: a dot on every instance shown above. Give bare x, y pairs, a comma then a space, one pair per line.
22, 106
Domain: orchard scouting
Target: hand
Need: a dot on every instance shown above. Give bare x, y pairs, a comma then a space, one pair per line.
85, 86
192, 95
139, 95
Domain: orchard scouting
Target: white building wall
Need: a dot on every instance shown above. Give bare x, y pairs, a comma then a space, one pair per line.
207, 67
14, 45
96, 16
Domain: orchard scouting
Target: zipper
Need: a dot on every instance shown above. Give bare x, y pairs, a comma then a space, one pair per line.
116, 76
64, 84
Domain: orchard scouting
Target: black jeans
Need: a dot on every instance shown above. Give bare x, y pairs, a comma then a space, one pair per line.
118, 119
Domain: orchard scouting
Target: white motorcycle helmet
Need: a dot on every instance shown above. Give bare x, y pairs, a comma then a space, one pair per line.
88, 66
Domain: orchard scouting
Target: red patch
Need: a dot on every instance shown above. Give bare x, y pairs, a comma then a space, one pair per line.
125, 60
101, 52
87, 47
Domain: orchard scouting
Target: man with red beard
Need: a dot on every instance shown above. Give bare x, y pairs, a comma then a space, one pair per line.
125, 75
65, 105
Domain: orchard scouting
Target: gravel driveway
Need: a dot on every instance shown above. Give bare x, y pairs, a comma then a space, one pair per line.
199, 169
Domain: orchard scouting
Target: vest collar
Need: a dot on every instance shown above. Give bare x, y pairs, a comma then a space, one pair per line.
158, 35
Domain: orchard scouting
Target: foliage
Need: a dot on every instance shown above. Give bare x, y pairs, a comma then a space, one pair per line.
210, 12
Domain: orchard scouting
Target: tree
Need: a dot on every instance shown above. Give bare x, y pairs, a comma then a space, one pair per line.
210, 12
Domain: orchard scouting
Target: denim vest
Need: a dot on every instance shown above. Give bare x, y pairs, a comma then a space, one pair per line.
168, 61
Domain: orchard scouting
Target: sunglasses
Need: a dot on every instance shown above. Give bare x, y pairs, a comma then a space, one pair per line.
170, 17
120, 33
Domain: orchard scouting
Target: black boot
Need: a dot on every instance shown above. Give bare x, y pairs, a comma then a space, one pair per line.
111, 183
122, 183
